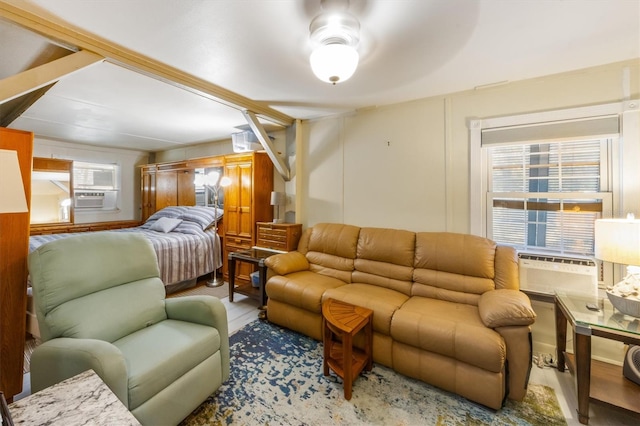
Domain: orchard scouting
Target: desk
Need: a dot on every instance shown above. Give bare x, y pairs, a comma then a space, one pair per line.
81, 400
609, 386
254, 256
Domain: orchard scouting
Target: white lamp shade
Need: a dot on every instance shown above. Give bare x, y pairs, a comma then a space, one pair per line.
334, 63
12, 198
618, 241
277, 198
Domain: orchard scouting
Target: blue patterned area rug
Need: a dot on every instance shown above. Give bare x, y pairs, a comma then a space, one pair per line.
276, 379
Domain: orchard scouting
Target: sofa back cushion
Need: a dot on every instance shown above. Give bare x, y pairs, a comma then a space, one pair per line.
332, 248
385, 258
101, 285
454, 267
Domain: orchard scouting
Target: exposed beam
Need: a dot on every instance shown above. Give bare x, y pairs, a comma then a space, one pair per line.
264, 139
63, 33
35, 78
10, 111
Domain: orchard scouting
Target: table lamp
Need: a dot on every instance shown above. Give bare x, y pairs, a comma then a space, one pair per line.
12, 198
277, 200
618, 241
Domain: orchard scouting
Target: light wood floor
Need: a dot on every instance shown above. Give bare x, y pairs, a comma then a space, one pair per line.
244, 310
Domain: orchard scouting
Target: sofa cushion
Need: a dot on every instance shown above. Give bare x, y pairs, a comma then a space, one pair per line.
455, 253
159, 355
335, 239
453, 267
501, 308
451, 329
301, 289
382, 301
286, 263
331, 249
385, 258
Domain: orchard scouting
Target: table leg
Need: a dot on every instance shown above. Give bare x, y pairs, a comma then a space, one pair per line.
232, 276
583, 374
326, 340
262, 272
561, 336
347, 361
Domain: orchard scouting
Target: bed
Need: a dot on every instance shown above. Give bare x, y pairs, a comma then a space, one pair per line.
183, 237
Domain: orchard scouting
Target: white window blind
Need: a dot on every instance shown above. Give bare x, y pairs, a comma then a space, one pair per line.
95, 176
545, 196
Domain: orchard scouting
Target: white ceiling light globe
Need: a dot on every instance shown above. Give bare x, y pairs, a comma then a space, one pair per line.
334, 63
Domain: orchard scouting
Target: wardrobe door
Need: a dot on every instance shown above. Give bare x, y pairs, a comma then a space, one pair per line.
14, 248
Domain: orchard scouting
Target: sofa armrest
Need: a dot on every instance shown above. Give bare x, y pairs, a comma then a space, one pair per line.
205, 310
287, 263
59, 359
501, 308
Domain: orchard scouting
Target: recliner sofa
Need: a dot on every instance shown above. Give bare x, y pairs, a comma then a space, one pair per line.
447, 307
101, 305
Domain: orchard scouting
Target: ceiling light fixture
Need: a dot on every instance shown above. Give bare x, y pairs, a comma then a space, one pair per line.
334, 36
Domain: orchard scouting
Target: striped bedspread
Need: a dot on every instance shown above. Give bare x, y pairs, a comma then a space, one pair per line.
181, 256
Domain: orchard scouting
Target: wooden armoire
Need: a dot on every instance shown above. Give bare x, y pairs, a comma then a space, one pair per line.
14, 249
246, 201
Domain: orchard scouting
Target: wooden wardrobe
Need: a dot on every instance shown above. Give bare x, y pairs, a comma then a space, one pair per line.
246, 201
14, 248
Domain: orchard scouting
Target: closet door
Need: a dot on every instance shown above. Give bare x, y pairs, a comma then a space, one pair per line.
14, 248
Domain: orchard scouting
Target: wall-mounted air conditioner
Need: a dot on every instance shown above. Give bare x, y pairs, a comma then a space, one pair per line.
546, 274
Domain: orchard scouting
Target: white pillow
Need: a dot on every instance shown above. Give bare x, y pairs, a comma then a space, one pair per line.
166, 224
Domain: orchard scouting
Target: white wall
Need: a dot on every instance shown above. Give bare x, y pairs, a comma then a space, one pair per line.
420, 180
128, 160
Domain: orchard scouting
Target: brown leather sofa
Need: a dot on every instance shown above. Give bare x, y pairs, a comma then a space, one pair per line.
447, 309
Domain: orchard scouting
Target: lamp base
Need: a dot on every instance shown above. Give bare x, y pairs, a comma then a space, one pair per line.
215, 282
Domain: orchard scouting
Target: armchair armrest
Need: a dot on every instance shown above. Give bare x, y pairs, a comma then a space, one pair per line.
62, 358
205, 310
287, 263
504, 307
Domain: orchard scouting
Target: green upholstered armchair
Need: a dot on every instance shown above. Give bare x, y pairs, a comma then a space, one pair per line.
101, 305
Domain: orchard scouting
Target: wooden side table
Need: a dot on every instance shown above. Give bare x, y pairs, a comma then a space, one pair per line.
343, 321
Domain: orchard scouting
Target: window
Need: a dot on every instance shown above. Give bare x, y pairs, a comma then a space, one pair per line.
95, 176
539, 181
546, 196
95, 187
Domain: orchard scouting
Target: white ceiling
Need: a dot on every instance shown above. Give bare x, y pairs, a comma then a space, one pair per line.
409, 49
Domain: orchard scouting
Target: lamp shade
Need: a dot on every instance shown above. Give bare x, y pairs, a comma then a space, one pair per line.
12, 198
277, 198
618, 241
334, 63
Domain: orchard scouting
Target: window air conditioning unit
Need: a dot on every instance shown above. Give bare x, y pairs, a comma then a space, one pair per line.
546, 274
245, 142
89, 200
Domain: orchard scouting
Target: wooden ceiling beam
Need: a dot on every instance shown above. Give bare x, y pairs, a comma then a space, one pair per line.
77, 39
43, 75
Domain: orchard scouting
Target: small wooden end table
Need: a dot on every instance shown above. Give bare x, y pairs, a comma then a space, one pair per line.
255, 256
344, 320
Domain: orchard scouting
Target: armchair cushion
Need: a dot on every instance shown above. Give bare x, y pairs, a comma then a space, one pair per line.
500, 308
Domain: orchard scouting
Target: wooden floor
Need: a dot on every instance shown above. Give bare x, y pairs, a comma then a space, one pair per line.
244, 310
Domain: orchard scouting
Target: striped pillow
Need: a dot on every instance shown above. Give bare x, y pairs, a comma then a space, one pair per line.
203, 216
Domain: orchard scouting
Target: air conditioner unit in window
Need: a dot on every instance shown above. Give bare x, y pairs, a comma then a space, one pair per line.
245, 142
546, 274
